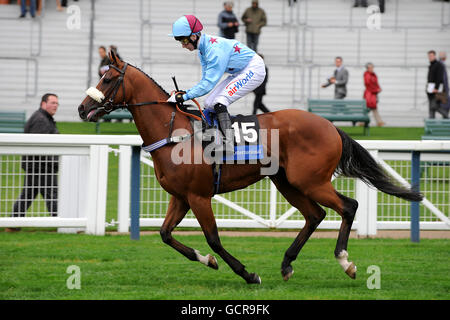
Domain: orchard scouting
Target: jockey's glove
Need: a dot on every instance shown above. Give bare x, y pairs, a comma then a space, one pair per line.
177, 97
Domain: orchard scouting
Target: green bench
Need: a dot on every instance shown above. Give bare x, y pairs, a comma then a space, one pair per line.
12, 121
119, 114
341, 110
437, 129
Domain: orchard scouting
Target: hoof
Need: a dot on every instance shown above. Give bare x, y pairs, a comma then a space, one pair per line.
287, 273
351, 271
254, 278
212, 262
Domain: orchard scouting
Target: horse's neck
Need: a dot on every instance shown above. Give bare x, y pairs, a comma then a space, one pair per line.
153, 121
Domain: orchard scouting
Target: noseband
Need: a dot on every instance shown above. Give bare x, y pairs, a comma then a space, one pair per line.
109, 105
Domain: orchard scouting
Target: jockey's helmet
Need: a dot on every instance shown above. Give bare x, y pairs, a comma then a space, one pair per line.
186, 26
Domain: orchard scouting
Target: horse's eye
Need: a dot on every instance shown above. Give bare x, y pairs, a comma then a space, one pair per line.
107, 80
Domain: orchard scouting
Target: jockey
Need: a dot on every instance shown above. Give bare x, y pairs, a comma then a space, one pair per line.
217, 56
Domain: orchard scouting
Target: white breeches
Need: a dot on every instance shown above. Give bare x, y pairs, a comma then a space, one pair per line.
239, 84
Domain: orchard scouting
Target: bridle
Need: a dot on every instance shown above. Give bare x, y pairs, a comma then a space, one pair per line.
109, 105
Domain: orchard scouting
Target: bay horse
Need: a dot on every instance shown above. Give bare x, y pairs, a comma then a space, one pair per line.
311, 150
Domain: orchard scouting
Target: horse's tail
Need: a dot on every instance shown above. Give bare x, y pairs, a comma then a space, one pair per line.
356, 162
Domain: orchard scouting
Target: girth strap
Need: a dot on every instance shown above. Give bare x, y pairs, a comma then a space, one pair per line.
163, 142
168, 140
217, 172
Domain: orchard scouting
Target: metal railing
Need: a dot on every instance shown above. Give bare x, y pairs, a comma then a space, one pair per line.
31, 59
91, 43
32, 34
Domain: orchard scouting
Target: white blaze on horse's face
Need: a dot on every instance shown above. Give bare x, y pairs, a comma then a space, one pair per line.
95, 94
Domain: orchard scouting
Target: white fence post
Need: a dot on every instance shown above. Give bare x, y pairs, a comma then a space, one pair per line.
72, 185
366, 215
96, 189
362, 212
123, 206
372, 214
367, 198
273, 205
372, 208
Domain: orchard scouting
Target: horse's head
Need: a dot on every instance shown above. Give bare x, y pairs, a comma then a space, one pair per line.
108, 95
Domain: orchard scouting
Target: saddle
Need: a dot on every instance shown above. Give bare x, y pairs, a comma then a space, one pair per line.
247, 145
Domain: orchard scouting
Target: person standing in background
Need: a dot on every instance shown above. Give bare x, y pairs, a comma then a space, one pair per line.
254, 19
371, 93
227, 21
104, 62
435, 81
23, 8
41, 171
339, 79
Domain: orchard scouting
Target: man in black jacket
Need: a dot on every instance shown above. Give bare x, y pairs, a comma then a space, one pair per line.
435, 83
227, 21
41, 171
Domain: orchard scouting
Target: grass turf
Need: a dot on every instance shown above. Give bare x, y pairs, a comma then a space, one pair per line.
33, 266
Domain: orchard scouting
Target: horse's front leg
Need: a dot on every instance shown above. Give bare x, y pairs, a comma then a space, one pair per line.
201, 206
175, 213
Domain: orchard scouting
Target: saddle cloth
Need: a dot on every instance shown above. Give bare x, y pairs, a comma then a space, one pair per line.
247, 144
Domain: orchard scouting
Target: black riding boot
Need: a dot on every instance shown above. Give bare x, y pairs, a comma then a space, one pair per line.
225, 126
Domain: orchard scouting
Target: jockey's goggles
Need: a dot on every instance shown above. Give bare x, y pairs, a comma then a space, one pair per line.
184, 40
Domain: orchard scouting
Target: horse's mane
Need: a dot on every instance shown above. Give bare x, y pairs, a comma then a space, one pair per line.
153, 80
162, 89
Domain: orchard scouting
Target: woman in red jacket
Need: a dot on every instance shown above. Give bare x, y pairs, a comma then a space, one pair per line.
371, 93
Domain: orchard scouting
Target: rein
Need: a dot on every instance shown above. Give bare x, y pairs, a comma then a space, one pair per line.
110, 106
187, 113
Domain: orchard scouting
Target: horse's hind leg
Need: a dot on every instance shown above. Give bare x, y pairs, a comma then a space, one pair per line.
348, 214
175, 213
312, 212
346, 208
205, 216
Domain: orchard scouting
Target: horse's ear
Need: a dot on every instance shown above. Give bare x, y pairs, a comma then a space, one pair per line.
112, 57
